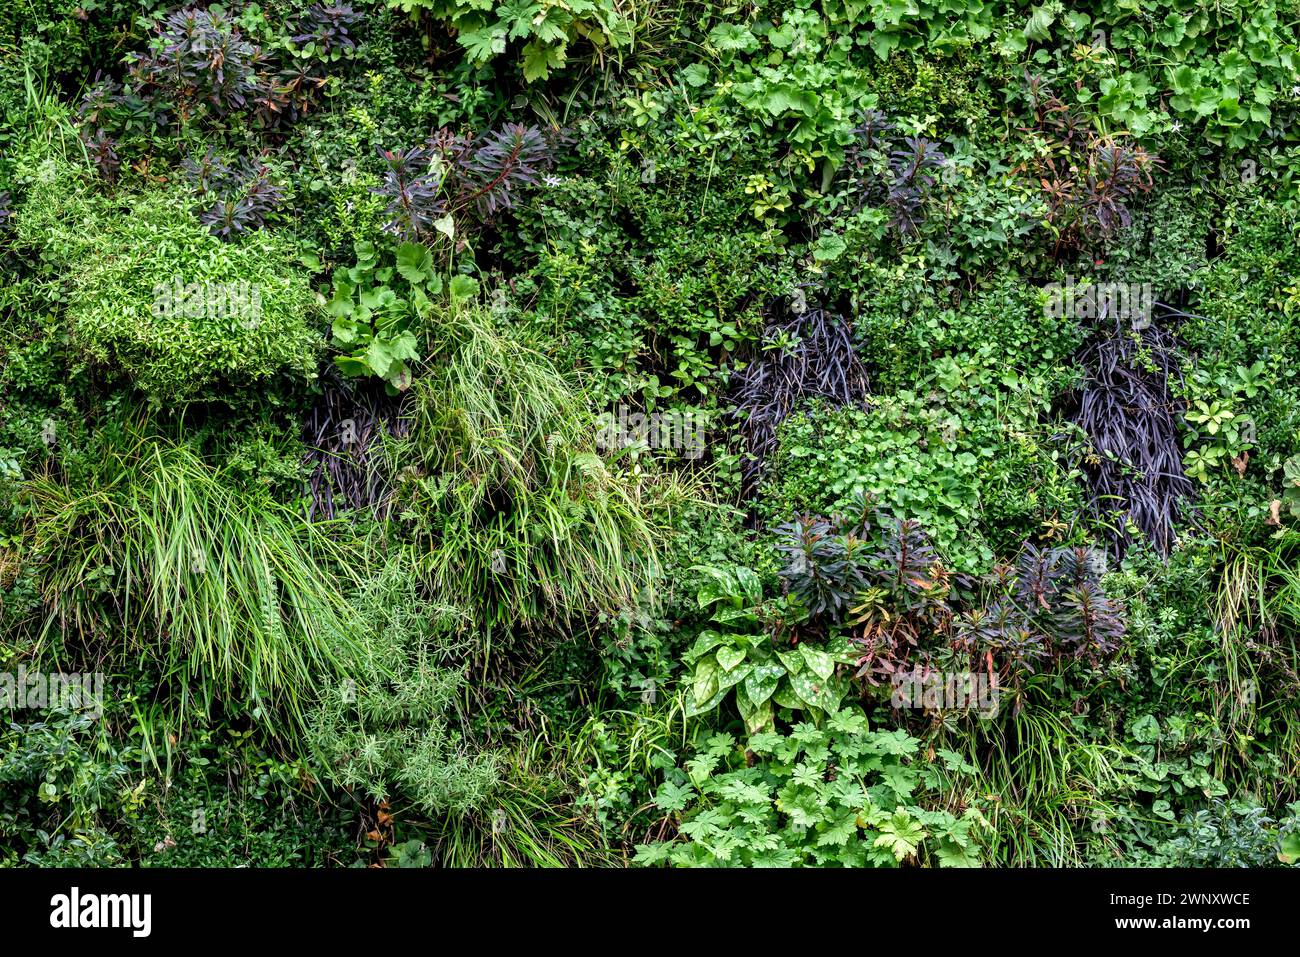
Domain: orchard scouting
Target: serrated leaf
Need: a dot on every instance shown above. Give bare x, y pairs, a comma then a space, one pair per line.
540, 59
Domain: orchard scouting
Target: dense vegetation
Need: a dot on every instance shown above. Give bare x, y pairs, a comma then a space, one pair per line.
581, 432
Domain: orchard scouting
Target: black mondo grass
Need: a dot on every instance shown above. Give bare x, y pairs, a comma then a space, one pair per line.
1131, 415
807, 355
342, 433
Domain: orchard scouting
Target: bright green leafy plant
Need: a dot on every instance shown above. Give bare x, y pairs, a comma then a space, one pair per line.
840, 795
378, 306
736, 653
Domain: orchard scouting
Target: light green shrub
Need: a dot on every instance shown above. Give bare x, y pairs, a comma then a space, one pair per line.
118, 263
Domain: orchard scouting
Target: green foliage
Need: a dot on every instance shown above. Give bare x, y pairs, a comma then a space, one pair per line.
158, 551
485, 29
379, 311
79, 789
390, 726
738, 654
512, 508
1291, 485
152, 295
840, 795
501, 652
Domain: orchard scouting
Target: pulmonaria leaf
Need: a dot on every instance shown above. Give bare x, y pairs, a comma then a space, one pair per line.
705, 681
706, 642
818, 693
730, 657
786, 697
758, 716
792, 660
822, 664
762, 682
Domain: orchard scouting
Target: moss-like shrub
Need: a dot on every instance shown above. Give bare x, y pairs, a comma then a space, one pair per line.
151, 293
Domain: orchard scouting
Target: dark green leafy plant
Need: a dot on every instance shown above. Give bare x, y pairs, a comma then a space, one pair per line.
429, 187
